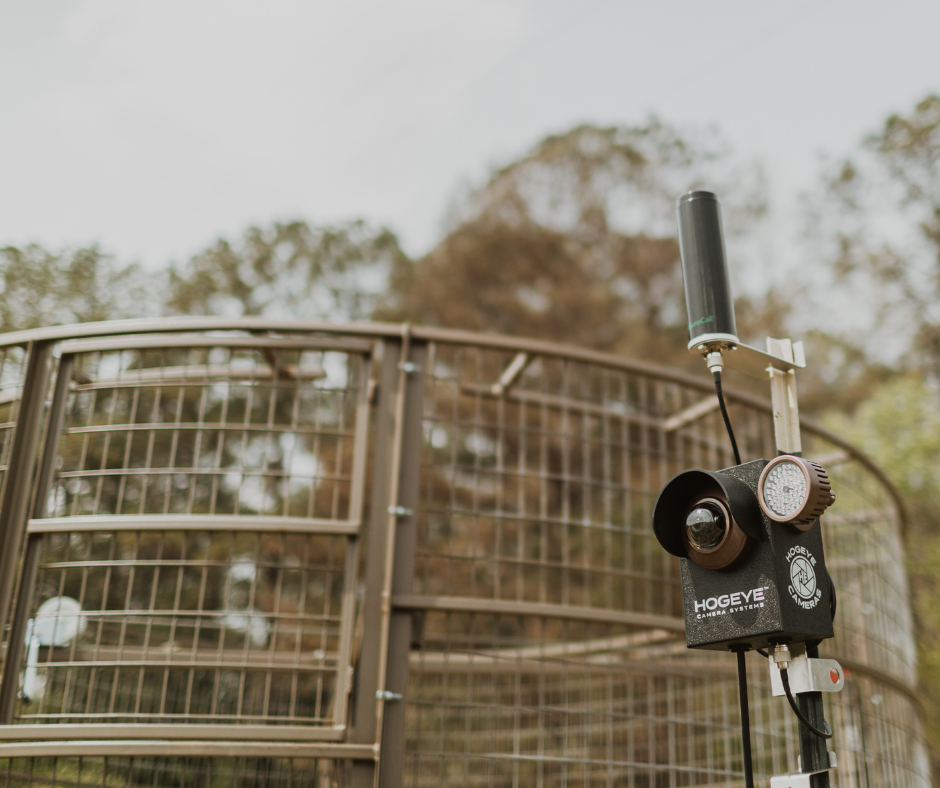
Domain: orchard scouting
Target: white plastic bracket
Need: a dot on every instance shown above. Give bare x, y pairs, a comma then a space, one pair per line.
800, 779
806, 674
783, 395
780, 363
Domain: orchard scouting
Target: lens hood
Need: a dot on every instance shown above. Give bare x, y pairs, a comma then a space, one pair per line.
683, 491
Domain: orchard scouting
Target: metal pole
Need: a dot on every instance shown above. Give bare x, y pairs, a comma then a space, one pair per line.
366, 681
813, 752
392, 764
27, 584
18, 484
745, 720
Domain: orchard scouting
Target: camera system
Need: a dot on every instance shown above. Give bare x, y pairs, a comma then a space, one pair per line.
752, 565
754, 571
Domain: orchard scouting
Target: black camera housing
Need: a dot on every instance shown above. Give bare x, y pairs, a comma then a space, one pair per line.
777, 591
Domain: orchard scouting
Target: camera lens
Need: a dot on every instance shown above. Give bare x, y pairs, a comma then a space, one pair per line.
705, 526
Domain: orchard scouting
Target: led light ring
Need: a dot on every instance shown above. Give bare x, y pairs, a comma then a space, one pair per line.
730, 551
815, 497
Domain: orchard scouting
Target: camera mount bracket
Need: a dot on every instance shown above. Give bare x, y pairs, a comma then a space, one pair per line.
806, 674
778, 364
801, 779
753, 362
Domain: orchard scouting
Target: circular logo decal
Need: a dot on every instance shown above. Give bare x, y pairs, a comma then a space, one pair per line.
803, 588
803, 577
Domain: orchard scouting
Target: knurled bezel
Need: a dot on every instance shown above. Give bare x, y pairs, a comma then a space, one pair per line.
818, 492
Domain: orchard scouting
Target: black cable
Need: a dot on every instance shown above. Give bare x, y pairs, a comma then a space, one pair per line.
833, 600
724, 415
745, 721
763, 653
827, 734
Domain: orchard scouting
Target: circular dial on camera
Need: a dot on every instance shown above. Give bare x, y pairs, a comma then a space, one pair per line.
794, 490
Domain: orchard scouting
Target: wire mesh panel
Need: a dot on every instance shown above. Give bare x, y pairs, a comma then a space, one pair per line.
544, 494
148, 772
865, 556
552, 649
218, 430
197, 563
187, 627
507, 700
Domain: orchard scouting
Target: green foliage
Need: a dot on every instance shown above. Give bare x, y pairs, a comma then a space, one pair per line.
288, 270
879, 223
899, 427
40, 288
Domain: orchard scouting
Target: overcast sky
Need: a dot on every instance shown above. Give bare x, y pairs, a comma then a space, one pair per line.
152, 128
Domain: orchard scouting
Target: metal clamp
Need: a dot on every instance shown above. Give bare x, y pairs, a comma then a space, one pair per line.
780, 656
800, 779
387, 695
401, 511
805, 674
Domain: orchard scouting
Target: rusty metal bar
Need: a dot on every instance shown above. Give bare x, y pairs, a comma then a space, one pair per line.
545, 610
402, 581
365, 731
690, 414
395, 511
184, 749
195, 374
180, 732
191, 522
351, 572
18, 482
24, 601
511, 374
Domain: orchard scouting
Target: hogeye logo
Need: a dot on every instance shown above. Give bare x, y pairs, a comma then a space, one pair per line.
803, 587
730, 603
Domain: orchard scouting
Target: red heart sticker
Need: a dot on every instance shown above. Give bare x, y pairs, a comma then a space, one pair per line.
834, 675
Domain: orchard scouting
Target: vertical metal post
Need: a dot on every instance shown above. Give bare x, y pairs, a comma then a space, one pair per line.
377, 545
17, 487
24, 597
783, 399
813, 751
351, 580
391, 767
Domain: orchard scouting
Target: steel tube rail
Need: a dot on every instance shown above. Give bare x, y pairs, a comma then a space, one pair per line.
184, 749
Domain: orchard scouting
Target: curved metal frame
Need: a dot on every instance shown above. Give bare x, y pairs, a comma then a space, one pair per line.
116, 328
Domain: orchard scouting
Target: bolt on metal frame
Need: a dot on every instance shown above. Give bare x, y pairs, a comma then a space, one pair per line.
199, 485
